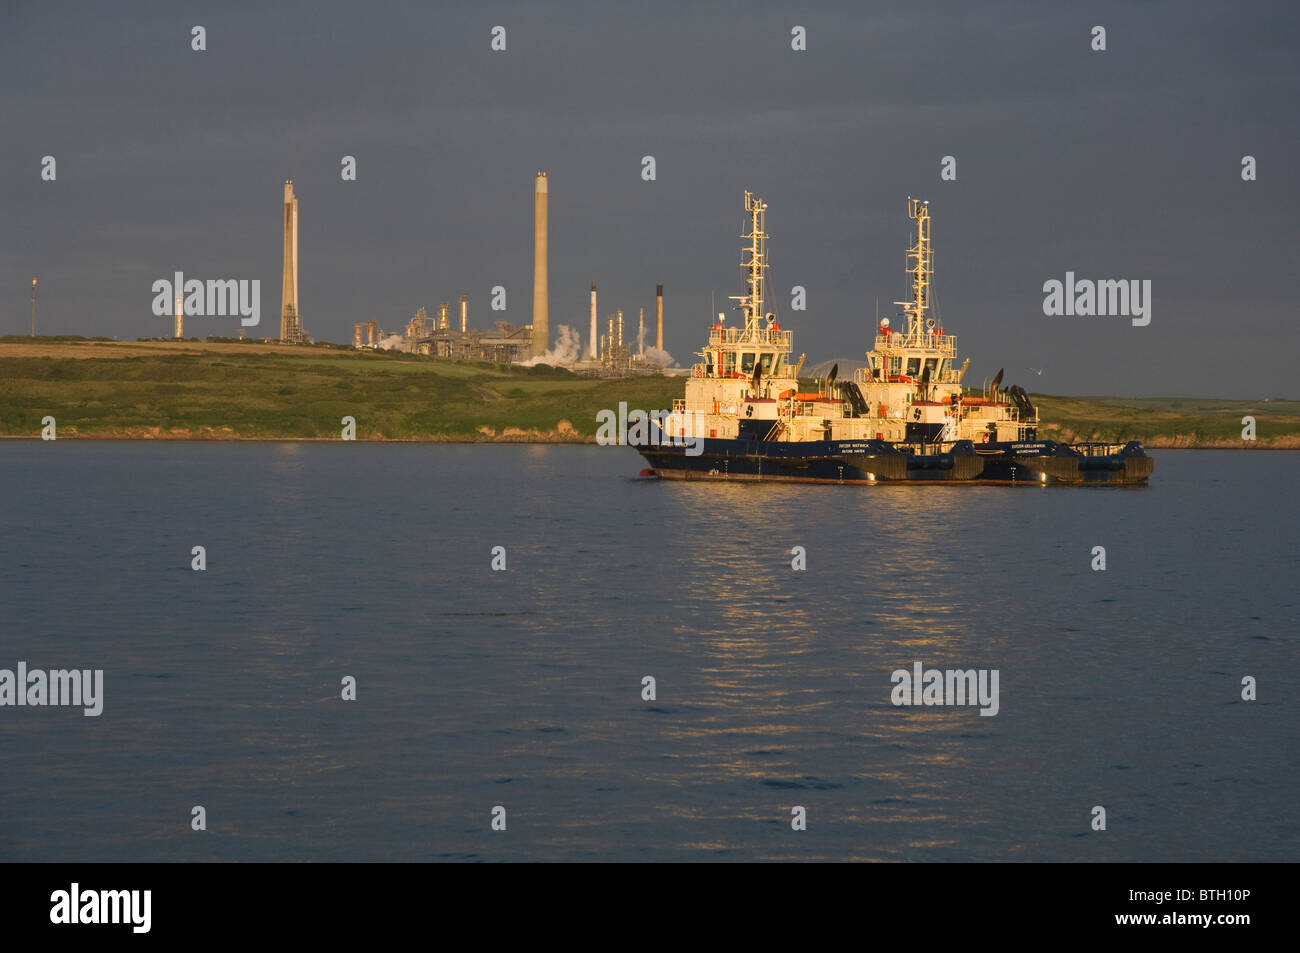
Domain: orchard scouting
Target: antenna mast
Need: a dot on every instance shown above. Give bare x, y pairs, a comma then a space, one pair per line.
752, 303
920, 265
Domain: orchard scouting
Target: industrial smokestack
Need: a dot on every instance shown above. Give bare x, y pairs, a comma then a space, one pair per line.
290, 320
640, 331
444, 309
180, 314
372, 332
594, 354
541, 291
356, 334
464, 314
620, 327
659, 317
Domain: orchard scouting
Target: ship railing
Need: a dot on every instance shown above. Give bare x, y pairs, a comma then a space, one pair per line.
914, 447
867, 375
679, 405
760, 335
1093, 449
945, 344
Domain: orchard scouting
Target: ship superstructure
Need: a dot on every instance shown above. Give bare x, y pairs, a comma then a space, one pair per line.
744, 373
912, 373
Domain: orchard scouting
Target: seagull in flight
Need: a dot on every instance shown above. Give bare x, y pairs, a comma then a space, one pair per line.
1037, 370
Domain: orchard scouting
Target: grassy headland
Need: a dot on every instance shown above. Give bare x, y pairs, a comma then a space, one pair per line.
194, 390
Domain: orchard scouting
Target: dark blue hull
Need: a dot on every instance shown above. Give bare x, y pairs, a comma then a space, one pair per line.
878, 461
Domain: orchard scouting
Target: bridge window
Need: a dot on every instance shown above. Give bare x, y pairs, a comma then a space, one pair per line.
913, 366
747, 362
930, 364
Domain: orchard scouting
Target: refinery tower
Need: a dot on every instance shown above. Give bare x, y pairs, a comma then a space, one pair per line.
290, 319
541, 292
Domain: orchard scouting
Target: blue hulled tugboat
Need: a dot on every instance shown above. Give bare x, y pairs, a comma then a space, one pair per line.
903, 418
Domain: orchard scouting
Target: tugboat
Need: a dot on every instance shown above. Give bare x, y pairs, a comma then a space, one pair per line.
904, 417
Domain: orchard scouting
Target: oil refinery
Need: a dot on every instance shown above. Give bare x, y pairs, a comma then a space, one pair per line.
613, 353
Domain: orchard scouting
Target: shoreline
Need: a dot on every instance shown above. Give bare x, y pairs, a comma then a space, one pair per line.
534, 440
220, 391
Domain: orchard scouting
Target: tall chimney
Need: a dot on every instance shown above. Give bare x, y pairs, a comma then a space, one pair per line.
443, 311
290, 320
180, 314
464, 314
620, 327
541, 292
593, 354
659, 317
640, 331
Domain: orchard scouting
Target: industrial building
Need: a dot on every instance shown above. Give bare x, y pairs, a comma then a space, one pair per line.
611, 354
437, 337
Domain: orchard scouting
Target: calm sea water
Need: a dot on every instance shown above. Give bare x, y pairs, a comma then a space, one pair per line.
523, 688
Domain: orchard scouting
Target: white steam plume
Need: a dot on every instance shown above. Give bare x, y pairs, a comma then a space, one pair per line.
658, 357
567, 350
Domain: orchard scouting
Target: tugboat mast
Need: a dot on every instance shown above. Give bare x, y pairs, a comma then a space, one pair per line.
752, 304
920, 267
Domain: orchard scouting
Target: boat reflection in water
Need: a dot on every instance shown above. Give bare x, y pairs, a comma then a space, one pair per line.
785, 700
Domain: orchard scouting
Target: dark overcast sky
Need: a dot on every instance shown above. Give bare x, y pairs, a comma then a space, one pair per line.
1122, 164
